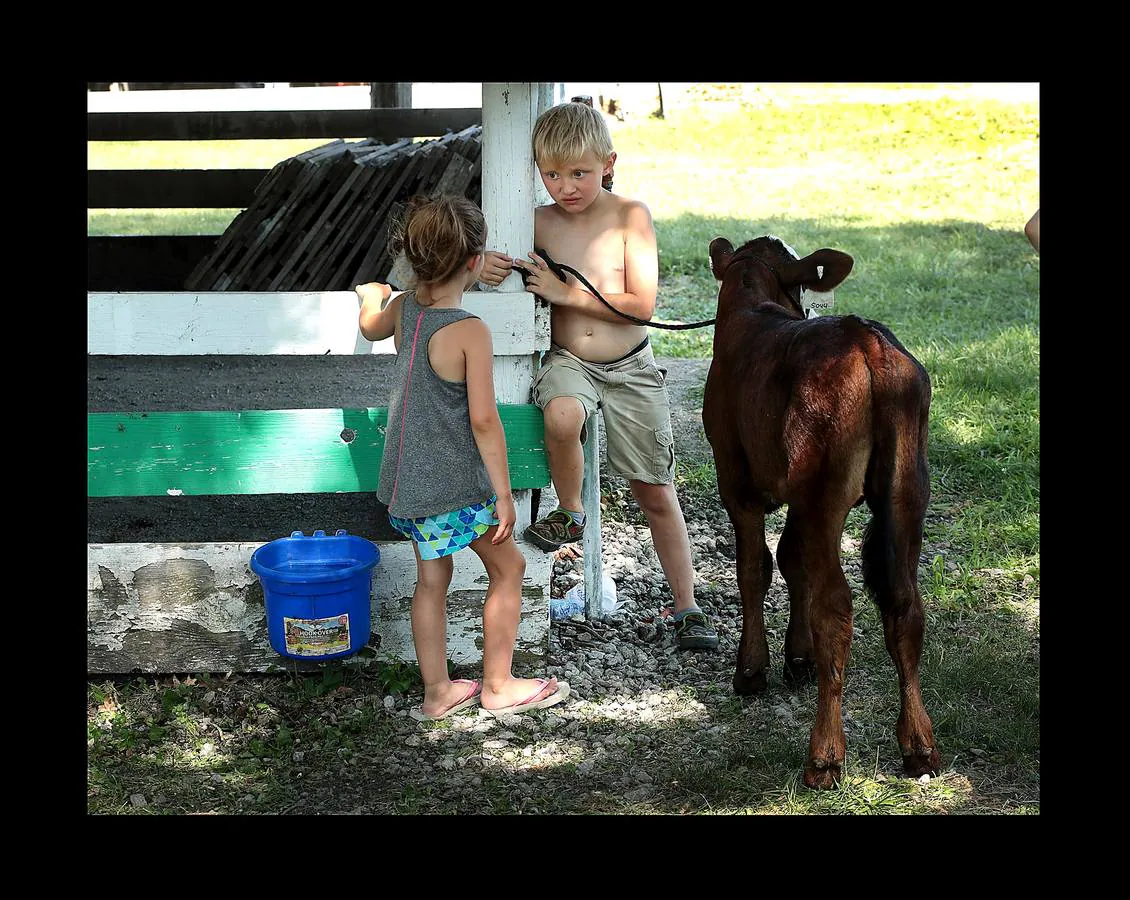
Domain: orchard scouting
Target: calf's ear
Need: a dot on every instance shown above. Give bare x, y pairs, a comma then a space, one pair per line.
836, 265
720, 252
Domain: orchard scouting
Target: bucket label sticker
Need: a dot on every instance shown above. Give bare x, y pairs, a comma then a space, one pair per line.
316, 637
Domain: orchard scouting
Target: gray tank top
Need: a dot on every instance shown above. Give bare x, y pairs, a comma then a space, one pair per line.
431, 463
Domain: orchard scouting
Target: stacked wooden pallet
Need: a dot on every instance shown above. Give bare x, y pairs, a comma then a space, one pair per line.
320, 221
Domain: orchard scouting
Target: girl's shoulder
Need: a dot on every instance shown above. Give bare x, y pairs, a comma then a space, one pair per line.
469, 332
469, 324
453, 345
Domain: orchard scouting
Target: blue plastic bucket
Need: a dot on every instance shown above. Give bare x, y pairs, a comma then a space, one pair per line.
317, 593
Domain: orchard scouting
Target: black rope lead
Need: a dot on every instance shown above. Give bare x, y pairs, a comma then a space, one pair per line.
559, 269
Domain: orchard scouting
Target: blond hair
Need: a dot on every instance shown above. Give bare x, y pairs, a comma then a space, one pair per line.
438, 234
566, 132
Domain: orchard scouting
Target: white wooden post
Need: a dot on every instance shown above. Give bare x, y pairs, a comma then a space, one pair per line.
509, 198
511, 190
508, 204
508, 173
590, 487
543, 100
590, 498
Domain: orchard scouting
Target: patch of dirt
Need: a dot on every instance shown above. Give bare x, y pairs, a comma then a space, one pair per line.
685, 380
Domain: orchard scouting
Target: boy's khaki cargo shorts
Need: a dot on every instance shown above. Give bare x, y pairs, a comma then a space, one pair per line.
632, 394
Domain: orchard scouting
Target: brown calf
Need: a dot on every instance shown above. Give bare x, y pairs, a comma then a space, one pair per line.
821, 414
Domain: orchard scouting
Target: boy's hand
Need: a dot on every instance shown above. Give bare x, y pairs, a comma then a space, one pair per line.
496, 267
540, 279
504, 509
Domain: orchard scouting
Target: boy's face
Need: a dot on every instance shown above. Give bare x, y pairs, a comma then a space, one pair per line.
575, 184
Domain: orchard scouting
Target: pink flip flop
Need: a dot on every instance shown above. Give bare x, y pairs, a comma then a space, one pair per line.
529, 703
472, 696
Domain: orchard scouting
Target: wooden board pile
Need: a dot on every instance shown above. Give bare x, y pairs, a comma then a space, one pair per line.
320, 221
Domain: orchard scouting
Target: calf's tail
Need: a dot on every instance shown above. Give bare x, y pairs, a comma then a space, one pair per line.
897, 484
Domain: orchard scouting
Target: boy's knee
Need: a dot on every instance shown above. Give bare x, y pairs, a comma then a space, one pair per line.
564, 418
654, 498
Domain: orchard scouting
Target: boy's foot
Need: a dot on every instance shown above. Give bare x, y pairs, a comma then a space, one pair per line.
693, 631
554, 530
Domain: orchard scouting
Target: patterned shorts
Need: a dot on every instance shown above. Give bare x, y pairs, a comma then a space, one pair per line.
444, 533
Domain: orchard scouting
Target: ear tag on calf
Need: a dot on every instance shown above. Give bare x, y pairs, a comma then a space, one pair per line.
816, 303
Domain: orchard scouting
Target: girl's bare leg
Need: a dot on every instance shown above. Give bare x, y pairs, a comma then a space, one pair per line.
429, 633
506, 567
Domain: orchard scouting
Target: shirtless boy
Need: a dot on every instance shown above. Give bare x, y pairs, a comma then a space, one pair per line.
599, 359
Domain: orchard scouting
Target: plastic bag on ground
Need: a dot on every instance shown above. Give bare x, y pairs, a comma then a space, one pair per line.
608, 602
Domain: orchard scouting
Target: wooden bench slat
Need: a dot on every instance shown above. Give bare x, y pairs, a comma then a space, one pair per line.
314, 323
268, 451
233, 517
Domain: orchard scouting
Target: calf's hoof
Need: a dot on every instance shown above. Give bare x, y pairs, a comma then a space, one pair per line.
922, 762
799, 671
821, 775
748, 682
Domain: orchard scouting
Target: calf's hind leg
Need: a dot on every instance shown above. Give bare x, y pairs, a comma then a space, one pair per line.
814, 570
800, 664
755, 571
900, 604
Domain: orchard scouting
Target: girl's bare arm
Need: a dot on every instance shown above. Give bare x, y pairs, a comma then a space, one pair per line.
485, 423
376, 323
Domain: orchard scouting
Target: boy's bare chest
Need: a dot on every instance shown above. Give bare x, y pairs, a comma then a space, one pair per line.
596, 252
